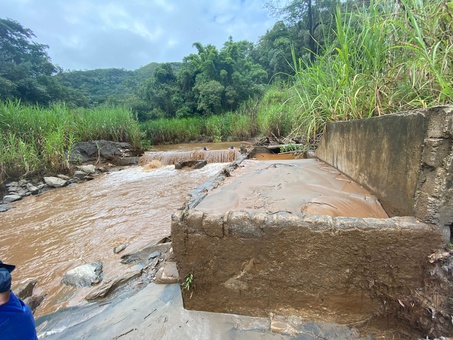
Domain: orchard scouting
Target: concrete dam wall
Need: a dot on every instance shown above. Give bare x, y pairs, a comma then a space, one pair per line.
301, 238
405, 159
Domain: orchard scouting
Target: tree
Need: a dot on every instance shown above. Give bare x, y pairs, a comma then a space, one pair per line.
273, 51
209, 97
305, 16
25, 67
162, 92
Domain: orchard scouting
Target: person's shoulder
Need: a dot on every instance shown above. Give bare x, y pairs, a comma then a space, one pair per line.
14, 303
14, 298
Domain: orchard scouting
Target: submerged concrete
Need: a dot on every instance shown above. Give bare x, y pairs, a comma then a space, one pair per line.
306, 186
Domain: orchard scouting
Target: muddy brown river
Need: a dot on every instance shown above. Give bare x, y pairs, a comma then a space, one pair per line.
49, 234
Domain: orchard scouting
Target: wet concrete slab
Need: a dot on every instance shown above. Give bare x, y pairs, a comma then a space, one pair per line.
156, 312
307, 186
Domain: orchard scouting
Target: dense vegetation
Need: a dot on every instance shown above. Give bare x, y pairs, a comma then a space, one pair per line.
325, 60
381, 57
35, 139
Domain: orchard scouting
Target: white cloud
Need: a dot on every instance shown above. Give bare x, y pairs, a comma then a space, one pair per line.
165, 5
85, 34
141, 30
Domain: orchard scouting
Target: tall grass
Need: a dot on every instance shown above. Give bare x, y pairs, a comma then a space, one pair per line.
274, 115
239, 125
164, 130
105, 122
35, 139
386, 57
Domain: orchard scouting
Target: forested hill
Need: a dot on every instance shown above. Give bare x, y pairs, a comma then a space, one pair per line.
94, 87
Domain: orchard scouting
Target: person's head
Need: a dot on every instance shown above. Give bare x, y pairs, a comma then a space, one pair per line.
5, 276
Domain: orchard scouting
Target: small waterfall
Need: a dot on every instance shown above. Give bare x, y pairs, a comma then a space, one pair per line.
172, 157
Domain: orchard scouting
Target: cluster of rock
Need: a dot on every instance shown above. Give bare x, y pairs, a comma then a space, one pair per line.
101, 151
153, 263
17, 190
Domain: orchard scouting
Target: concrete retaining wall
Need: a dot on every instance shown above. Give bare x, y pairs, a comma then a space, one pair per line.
336, 269
404, 159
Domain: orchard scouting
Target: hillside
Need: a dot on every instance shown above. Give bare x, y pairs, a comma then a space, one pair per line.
94, 87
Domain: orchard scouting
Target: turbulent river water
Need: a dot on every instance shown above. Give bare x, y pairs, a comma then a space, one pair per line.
46, 235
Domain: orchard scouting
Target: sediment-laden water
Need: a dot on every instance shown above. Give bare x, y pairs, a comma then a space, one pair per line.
49, 234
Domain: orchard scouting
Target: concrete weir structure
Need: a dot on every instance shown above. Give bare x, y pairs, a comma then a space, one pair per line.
299, 237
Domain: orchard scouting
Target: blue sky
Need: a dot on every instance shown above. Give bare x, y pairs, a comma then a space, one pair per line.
89, 34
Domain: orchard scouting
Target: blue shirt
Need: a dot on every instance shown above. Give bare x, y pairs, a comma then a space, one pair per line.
16, 320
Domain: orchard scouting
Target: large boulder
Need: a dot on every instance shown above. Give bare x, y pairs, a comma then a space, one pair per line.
84, 276
94, 150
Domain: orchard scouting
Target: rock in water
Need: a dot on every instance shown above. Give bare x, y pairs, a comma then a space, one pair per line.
119, 248
84, 276
11, 198
107, 287
190, 164
34, 301
79, 174
55, 182
25, 289
5, 207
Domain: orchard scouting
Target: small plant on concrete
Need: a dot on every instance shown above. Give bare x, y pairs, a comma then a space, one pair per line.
188, 282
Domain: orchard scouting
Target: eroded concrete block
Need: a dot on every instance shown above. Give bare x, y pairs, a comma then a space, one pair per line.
305, 264
213, 225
